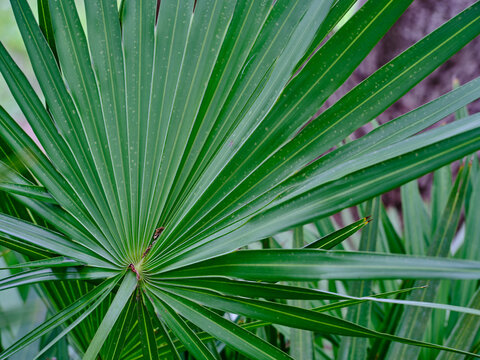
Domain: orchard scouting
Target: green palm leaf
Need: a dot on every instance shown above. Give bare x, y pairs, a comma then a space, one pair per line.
175, 133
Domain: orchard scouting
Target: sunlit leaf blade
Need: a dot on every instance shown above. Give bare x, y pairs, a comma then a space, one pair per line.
297, 41
428, 305
40, 120
126, 289
208, 29
331, 240
118, 336
299, 265
238, 288
362, 103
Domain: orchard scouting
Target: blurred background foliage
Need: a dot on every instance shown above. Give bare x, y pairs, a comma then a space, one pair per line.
21, 309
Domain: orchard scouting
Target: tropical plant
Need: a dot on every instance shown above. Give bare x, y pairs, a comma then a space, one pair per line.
420, 235
175, 133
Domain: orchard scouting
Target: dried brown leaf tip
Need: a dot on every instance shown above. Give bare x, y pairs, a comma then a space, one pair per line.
367, 219
158, 232
132, 267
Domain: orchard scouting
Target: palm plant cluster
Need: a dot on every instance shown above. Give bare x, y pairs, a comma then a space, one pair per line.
177, 140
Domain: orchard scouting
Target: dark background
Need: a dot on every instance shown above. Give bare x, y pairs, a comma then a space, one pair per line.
421, 18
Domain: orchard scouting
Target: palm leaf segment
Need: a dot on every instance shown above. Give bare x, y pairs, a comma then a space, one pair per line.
179, 133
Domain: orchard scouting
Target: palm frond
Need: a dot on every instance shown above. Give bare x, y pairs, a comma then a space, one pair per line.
177, 134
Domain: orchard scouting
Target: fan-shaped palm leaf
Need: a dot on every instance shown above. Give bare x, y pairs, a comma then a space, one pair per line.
169, 141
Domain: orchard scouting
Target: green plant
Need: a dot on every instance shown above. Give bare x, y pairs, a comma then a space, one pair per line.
428, 225
169, 143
